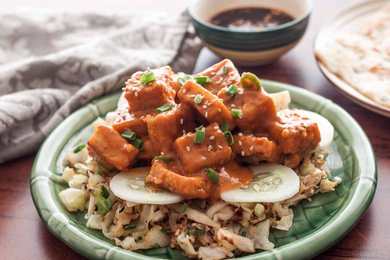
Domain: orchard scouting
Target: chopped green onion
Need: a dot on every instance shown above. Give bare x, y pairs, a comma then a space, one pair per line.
164, 158
147, 77
202, 80
183, 78
164, 108
229, 137
182, 208
198, 99
138, 143
103, 204
225, 70
212, 175
224, 127
232, 90
133, 139
105, 193
129, 135
236, 113
131, 225
200, 133
250, 81
78, 148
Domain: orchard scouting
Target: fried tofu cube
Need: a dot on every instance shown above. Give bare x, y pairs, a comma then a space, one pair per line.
162, 176
148, 151
160, 91
257, 110
295, 133
137, 125
213, 151
257, 149
165, 127
222, 74
206, 103
109, 146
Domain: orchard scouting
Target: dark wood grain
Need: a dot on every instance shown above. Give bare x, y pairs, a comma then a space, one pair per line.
24, 236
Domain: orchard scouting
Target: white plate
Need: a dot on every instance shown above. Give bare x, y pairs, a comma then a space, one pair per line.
343, 20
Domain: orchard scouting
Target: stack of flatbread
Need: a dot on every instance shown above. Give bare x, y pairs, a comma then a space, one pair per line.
360, 55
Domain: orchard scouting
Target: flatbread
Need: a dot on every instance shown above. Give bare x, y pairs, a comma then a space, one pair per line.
360, 55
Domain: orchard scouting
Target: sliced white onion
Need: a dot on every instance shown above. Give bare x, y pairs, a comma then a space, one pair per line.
325, 127
130, 186
271, 183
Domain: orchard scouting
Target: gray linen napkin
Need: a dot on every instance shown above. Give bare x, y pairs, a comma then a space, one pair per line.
53, 63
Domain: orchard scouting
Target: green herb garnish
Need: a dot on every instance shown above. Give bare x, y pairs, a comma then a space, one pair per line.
200, 133
147, 77
202, 80
232, 90
129, 135
164, 158
78, 148
133, 139
183, 78
236, 113
105, 193
250, 81
228, 135
164, 108
198, 99
103, 202
138, 143
212, 175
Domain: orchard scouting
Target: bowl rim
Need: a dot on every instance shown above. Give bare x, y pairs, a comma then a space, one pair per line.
86, 244
271, 29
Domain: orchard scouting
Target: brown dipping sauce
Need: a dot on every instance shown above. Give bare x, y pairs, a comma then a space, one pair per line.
251, 18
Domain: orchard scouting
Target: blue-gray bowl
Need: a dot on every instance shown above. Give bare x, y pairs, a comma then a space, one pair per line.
254, 47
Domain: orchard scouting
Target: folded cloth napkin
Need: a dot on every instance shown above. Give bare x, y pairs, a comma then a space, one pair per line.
53, 63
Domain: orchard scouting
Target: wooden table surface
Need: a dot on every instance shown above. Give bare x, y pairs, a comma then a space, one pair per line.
24, 236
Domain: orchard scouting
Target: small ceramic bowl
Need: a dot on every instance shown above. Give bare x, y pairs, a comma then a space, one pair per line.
255, 47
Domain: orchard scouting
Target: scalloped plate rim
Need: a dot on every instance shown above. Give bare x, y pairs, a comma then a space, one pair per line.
338, 225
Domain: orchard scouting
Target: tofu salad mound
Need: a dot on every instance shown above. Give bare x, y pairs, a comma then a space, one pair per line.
198, 166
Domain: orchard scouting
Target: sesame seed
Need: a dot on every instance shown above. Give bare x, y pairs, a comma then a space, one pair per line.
205, 114
240, 134
251, 148
240, 143
242, 153
136, 93
209, 148
212, 137
233, 105
204, 106
216, 127
220, 146
181, 121
188, 148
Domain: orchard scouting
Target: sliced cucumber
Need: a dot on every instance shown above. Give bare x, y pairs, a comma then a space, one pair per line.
271, 183
130, 186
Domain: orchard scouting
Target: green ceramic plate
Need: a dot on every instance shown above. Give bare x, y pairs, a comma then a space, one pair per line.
317, 224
